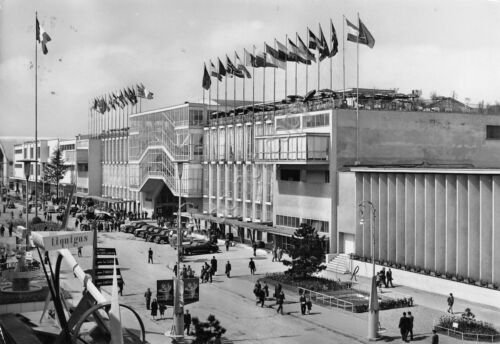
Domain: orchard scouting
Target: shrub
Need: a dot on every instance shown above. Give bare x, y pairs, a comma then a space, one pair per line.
36, 220
467, 325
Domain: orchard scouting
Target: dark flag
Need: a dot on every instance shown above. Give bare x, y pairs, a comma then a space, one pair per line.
221, 70
122, 98
305, 51
365, 37
313, 40
295, 54
273, 57
242, 67
207, 81
140, 91
250, 59
334, 41
323, 49
282, 52
232, 70
213, 71
42, 37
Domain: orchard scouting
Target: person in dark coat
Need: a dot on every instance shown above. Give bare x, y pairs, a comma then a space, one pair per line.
254, 246
120, 287
187, 322
162, 307
147, 295
403, 327
228, 269
213, 262
266, 289
410, 325
280, 298
251, 265
451, 301
150, 256
435, 337
262, 297
388, 277
302, 301
227, 244
154, 309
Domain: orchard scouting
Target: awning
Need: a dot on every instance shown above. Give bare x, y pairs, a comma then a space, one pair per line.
100, 199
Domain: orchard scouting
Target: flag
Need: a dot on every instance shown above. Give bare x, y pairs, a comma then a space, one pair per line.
149, 94
116, 100
115, 319
273, 57
102, 106
122, 98
242, 67
250, 59
95, 104
42, 37
352, 31
313, 40
261, 60
282, 51
365, 37
323, 49
232, 70
221, 70
295, 54
131, 96
305, 51
140, 91
207, 81
334, 41
111, 102
213, 71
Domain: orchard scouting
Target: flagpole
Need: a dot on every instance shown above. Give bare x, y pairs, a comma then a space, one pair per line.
307, 68
234, 85
357, 97
343, 56
264, 76
286, 64
331, 63
319, 55
274, 79
36, 124
253, 82
225, 94
296, 62
245, 77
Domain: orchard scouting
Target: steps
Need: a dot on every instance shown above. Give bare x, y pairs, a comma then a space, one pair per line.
339, 264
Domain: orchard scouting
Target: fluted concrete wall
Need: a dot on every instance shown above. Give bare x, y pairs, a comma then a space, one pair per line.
438, 221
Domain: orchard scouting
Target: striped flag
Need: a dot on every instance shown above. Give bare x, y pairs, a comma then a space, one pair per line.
42, 37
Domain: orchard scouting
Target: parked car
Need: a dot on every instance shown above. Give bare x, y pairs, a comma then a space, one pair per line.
138, 231
149, 231
200, 247
160, 238
128, 228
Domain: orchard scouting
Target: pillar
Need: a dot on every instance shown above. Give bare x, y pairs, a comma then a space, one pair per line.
496, 230
419, 220
462, 226
451, 224
382, 217
391, 217
440, 224
486, 228
430, 223
410, 219
474, 227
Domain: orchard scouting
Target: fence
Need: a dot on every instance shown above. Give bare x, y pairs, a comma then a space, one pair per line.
467, 336
332, 301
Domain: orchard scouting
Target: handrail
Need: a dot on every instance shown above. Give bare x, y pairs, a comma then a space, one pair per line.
465, 335
327, 299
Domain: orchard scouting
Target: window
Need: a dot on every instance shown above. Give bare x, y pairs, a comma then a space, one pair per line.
195, 116
83, 167
288, 123
18, 165
318, 120
327, 176
18, 151
249, 183
287, 221
290, 175
318, 225
493, 132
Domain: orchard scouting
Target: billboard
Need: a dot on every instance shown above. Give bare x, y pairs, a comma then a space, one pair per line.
69, 240
165, 292
106, 251
190, 291
106, 261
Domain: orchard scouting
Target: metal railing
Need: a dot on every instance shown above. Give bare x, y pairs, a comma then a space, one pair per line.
329, 300
466, 336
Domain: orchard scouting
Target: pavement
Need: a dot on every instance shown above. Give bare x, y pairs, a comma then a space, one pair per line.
232, 301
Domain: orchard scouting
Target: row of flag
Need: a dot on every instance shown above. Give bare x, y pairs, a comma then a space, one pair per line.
280, 54
127, 96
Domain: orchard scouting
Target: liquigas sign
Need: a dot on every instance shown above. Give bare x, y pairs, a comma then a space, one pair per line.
64, 240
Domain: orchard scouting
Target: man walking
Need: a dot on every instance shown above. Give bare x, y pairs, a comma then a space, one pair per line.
187, 322
228, 269
150, 256
147, 295
275, 256
251, 265
403, 327
80, 251
435, 337
213, 262
302, 301
451, 301
388, 277
280, 298
410, 325
254, 246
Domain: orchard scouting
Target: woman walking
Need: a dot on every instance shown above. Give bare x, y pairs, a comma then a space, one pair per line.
154, 309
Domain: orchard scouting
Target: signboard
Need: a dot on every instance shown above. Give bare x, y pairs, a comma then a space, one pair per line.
106, 272
106, 261
106, 251
75, 239
165, 292
191, 290
106, 281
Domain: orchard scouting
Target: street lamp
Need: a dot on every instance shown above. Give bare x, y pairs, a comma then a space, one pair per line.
178, 307
373, 307
27, 167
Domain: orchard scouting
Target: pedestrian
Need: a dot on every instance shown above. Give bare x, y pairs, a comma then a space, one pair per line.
184, 271
451, 301
80, 251
228, 269
383, 276
120, 286
280, 254
147, 295
275, 254
256, 291
227, 244
175, 269
11, 228
309, 305
266, 289
388, 277
2, 230
410, 325
150, 256
302, 301
262, 297
280, 298
277, 289
251, 265
162, 307
154, 309
213, 262
403, 327
203, 274
435, 337
76, 223
254, 246
187, 322
190, 272
208, 272
46, 258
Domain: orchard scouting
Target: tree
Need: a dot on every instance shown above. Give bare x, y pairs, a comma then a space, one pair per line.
307, 252
208, 332
55, 169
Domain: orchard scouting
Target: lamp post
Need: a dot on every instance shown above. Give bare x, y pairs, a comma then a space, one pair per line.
373, 307
27, 167
178, 307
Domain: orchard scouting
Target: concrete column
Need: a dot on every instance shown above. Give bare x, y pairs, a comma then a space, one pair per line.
366, 216
391, 217
244, 194
440, 224
451, 223
382, 216
486, 228
474, 226
419, 220
374, 197
400, 218
429, 221
462, 226
496, 232
334, 178
410, 219
219, 191
359, 229
228, 180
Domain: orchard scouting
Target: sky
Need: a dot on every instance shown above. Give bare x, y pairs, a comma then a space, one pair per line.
451, 47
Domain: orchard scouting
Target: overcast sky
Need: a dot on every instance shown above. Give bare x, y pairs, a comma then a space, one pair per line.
99, 46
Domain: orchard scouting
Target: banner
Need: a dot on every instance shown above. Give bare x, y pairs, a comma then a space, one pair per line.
75, 239
191, 290
165, 292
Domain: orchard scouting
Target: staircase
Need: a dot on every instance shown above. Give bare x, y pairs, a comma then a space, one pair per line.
339, 264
